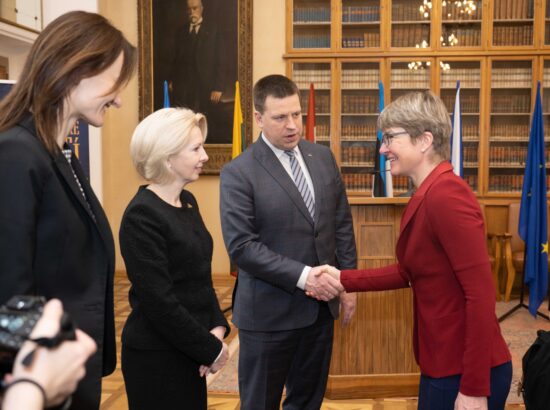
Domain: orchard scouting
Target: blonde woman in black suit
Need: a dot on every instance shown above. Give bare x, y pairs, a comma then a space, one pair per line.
55, 239
174, 335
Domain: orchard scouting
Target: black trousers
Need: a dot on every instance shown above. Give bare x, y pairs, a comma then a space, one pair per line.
298, 359
162, 380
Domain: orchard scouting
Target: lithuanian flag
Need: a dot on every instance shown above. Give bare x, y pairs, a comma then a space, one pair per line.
239, 143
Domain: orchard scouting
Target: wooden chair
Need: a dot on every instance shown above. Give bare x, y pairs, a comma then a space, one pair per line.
513, 249
495, 253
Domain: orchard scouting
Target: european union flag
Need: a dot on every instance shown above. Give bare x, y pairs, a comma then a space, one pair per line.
533, 225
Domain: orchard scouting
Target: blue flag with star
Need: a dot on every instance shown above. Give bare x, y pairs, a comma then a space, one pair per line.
533, 218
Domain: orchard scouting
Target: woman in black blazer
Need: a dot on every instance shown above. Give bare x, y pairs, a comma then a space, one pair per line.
55, 239
173, 336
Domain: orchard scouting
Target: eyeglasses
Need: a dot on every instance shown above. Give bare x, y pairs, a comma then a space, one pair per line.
388, 137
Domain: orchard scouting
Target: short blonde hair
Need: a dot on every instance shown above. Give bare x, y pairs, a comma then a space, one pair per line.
159, 136
418, 112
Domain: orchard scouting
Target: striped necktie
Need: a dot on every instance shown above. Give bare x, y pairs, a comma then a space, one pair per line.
301, 183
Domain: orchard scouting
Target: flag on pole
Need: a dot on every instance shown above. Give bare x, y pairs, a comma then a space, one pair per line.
166, 95
239, 143
310, 122
456, 136
383, 182
533, 225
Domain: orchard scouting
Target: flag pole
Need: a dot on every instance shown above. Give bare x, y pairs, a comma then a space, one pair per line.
532, 224
521, 303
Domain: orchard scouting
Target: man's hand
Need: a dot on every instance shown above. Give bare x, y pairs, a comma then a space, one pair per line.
215, 96
464, 402
348, 302
322, 287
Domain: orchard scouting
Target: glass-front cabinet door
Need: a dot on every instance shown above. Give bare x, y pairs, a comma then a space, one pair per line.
513, 22
311, 24
359, 109
461, 23
510, 114
468, 73
360, 24
320, 75
410, 24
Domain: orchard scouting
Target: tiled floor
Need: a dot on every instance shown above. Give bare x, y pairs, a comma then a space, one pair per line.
517, 328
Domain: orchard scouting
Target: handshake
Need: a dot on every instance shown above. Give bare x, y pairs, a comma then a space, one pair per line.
323, 283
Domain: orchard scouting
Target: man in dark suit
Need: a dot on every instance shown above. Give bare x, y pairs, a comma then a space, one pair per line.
285, 212
199, 77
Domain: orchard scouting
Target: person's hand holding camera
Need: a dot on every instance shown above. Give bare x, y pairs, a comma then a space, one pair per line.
53, 373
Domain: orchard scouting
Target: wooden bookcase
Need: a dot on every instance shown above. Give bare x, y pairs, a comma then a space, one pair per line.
498, 51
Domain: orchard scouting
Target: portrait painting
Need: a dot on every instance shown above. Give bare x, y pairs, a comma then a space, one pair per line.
193, 52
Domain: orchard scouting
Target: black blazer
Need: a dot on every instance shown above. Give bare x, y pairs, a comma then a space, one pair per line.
53, 244
271, 236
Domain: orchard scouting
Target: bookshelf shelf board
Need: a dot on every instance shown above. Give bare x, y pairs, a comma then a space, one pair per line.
360, 23
359, 114
358, 165
507, 165
500, 114
508, 21
365, 138
462, 87
461, 21
509, 139
402, 22
470, 165
310, 23
344, 88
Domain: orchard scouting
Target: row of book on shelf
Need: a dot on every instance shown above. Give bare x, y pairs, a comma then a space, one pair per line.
360, 78
358, 132
303, 78
506, 183
322, 102
507, 155
506, 130
407, 11
367, 39
511, 77
360, 13
357, 104
363, 183
359, 154
466, 37
513, 35
308, 14
469, 77
451, 11
410, 35
518, 103
468, 103
311, 40
513, 9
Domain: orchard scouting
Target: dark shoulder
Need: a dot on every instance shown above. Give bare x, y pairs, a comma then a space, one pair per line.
20, 141
145, 205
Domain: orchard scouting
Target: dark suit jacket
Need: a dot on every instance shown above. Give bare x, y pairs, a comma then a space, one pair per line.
51, 245
442, 254
271, 236
198, 65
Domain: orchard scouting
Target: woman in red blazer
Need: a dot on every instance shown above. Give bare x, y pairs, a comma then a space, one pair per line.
442, 256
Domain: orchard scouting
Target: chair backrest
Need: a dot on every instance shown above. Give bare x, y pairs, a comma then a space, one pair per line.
513, 223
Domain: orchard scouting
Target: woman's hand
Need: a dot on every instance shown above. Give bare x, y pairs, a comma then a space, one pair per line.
464, 402
57, 370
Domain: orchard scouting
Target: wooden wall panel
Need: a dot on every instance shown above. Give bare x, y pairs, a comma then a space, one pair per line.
373, 357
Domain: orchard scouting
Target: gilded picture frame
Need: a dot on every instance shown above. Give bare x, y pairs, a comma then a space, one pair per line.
159, 22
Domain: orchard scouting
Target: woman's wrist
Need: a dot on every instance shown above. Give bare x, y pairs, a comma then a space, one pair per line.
24, 393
